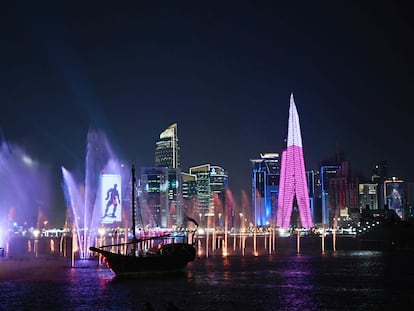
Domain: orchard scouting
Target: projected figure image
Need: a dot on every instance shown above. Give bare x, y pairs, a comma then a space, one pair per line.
113, 200
395, 202
395, 199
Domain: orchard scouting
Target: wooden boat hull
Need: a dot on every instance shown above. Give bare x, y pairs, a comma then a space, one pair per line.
170, 258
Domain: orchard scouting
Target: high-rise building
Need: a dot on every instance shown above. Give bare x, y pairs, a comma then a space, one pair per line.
293, 181
379, 176
326, 172
189, 194
219, 186
368, 196
174, 190
265, 187
212, 182
409, 202
202, 173
339, 192
218, 179
167, 155
380, 172
189, 188
160, 196
161, 185
310, 179
153, 208
167, 148
344, 199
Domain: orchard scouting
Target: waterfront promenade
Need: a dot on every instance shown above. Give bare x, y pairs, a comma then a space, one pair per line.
383, 237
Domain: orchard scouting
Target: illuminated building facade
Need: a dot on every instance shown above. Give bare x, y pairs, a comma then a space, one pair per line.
340, 194
293, 181
379, 176
189, 193
202, 173
153, 209
310, 178
211, 183
368, 196
167, 155
326, 172
265, 187
167, 148
344, 199
189, 186
161, 185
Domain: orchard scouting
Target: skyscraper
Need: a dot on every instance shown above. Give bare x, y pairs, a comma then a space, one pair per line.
293, 176
212, 181
326, 173
265, 188
164, 180
167, 149
153, 202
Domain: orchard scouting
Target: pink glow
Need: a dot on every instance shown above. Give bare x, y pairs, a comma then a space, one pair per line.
293, 176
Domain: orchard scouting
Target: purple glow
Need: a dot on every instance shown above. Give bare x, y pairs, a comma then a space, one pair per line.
25, 196
293, 176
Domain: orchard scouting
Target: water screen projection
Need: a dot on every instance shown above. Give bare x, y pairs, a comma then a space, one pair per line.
111, 198
394, 196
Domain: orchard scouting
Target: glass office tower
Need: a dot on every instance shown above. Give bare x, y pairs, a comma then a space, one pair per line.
265, 188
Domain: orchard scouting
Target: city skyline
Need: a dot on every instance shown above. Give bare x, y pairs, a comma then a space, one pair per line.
223, 73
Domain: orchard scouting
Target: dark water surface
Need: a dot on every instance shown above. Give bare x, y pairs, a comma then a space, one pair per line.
353, 280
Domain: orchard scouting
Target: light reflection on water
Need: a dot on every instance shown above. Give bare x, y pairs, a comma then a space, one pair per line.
358, 280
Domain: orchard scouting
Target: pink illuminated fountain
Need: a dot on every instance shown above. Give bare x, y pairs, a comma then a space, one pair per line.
293, 176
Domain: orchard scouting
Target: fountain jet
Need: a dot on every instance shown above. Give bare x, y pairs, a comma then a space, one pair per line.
85, 200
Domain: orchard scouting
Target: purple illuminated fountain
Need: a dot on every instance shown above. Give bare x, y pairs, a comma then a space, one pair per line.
87, 200
24, 193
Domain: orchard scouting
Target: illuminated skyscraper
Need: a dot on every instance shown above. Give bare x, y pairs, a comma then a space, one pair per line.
167, 148
153, 202
265, 188
211, 182
293, 176
164, 180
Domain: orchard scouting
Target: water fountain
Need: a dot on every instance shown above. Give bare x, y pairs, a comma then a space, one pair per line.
84, 199
24, 194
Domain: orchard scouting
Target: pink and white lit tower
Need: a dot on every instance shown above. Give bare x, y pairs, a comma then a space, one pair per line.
293, 176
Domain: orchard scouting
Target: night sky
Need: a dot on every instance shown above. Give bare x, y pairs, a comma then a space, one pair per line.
223, 71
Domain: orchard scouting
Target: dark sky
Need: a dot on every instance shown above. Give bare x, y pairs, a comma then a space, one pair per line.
223, 71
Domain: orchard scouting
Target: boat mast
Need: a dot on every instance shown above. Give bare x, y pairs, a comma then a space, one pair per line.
133, 203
